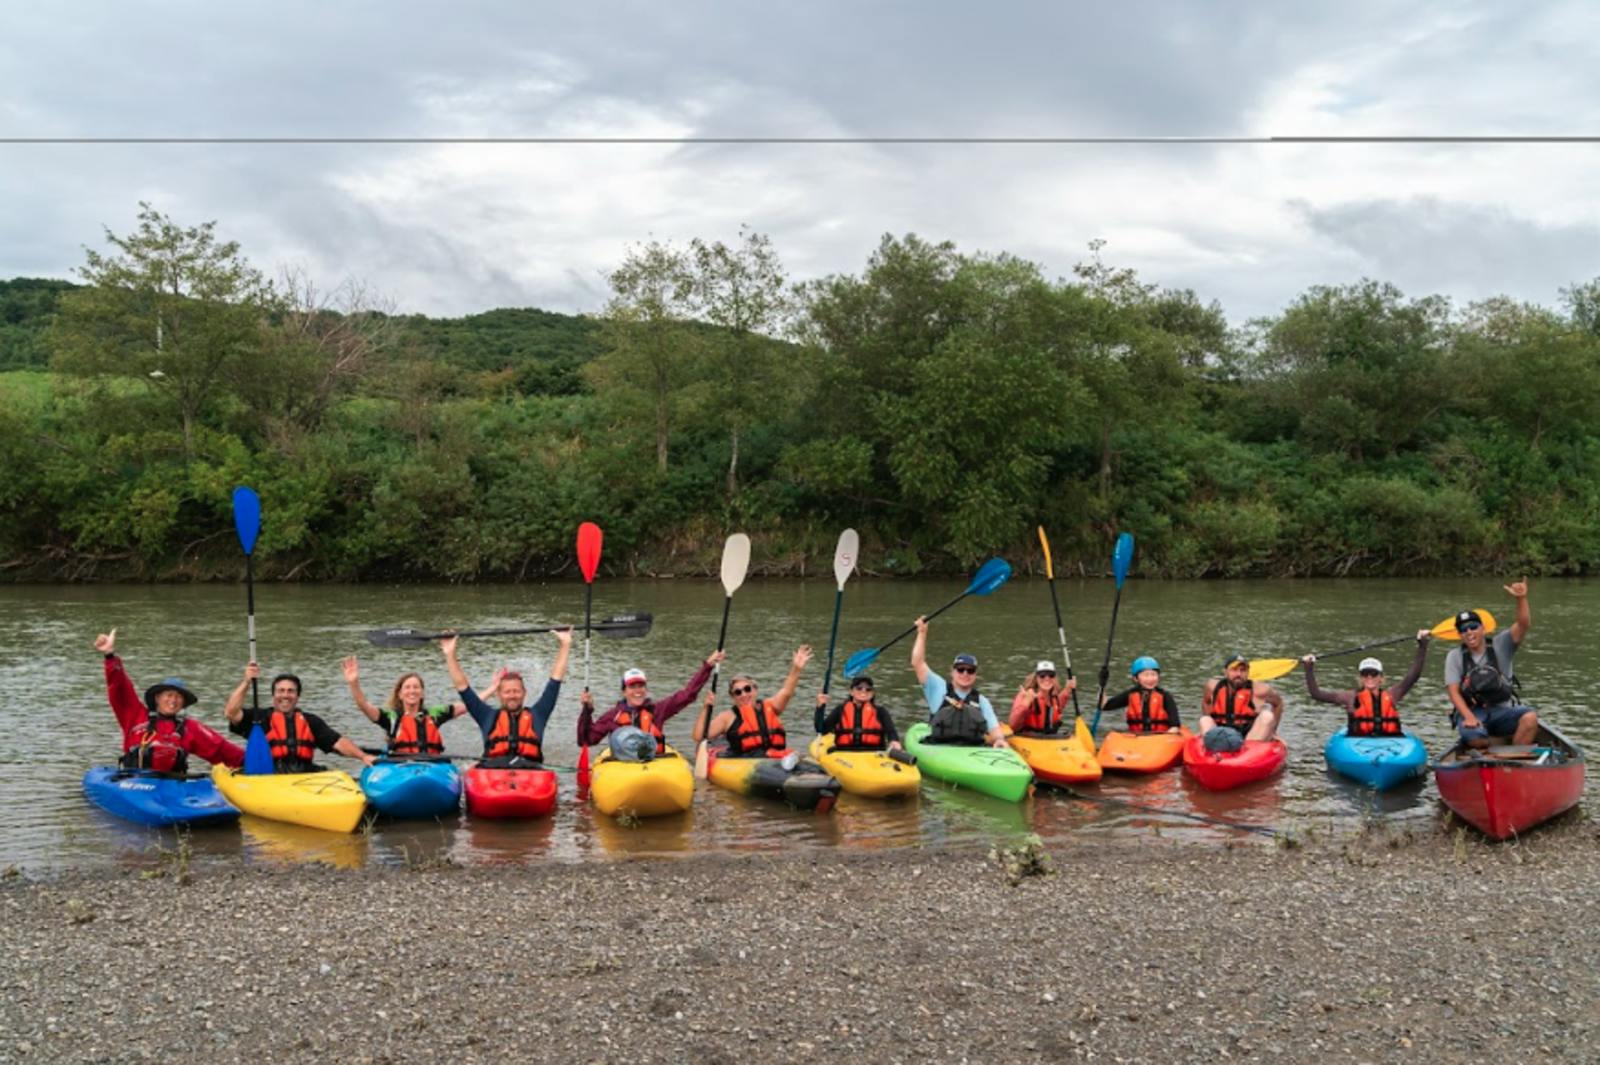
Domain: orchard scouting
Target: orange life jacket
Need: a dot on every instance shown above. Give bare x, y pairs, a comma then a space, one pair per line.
163, 752
1364, 722
290, 754
403, 737
646, 722
860, 727
507, 741
1236, 710
756, 730
1148, 714
1044, 715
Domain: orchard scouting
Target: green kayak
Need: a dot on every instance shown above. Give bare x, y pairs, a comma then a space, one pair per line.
997, 771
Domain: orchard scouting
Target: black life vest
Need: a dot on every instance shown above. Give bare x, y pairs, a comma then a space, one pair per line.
860, 727
1484, 684
959, 720
509, 742
756, 729
403, 734
1149, 714
149, 752
290, 753
1234, 707
1373, 713
646, 723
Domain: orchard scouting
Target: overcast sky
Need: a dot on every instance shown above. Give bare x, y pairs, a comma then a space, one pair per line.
459, 229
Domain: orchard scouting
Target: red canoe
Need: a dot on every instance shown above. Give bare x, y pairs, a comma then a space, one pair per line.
1219, 771
510, 792
1505, 789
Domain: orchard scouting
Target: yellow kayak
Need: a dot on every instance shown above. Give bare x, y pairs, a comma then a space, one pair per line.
328, 800
1057, 758
642, 789
870, 773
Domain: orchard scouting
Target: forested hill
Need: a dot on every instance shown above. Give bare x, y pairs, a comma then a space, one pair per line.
943, 402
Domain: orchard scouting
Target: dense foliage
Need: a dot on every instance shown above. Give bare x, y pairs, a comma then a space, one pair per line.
942, 402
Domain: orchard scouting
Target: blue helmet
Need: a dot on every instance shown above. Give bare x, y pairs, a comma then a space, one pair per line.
1142, 663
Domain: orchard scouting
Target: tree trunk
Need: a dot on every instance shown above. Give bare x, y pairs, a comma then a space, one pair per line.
661, 434
733, 463
1105, 458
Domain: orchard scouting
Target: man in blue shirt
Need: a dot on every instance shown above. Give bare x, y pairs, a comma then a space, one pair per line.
512, 735
957, 712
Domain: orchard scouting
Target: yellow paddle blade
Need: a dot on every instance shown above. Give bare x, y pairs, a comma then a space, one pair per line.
1049, 566
1446, 629
1272, 668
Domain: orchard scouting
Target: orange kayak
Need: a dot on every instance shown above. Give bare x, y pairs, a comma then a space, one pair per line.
1142, 752
1059, 759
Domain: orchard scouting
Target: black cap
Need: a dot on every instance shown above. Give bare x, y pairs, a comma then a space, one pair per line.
861, 679
1467, 617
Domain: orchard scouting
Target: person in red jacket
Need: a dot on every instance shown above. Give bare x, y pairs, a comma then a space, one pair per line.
638, 709
156, 734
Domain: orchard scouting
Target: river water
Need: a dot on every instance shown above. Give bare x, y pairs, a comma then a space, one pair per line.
56, 721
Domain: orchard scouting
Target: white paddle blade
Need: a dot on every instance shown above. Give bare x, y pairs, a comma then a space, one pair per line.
845, 555
735, 562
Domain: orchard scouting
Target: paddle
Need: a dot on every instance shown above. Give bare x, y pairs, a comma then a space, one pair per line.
991, 575
247, 523
589, 540
1061, 631
735, 563
620, 626
1121, 556
1273, 668
844, 562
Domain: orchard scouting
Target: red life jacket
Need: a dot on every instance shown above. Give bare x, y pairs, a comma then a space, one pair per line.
646, 722
290, 754
1236, 710
160, 752
403, 737
1364, 722
1148, 714
508, 741
860, 727
756, 730
1044, 714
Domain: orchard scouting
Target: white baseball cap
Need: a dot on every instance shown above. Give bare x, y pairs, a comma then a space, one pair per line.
1369, 663
1045, 666
632, 675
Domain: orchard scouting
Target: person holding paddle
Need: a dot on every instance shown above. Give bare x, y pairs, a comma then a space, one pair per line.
857, 723
957, 713
638, 710
753, 725
1040, 702
1232, 701
412, 728
1149, 706
513, 734
1480, 682
1371, 709
293, 735
156, 735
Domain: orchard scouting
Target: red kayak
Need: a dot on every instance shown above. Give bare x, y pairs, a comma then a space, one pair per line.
1504, 789
510, 792
1221, 770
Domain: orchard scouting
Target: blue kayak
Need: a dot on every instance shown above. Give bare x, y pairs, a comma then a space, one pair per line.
1379, 762
153, 799
404, 788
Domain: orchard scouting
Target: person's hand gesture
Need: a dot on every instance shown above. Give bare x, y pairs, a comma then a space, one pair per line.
1424, 635
1309, 659
352, 670
564, 636
448, 646
801, 657
106, 642
586, 700
1518, 589
921, 625
716, 658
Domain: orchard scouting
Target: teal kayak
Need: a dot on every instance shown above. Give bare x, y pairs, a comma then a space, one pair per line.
1379, 762
997, 771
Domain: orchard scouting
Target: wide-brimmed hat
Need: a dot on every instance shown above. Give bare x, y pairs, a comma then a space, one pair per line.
171, 684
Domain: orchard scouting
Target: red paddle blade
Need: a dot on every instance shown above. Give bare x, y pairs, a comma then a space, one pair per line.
583, 771
589, 538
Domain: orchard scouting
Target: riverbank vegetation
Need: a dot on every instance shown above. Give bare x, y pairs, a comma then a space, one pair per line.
940, 400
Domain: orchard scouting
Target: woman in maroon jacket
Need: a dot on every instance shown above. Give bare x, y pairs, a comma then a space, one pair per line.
155, 733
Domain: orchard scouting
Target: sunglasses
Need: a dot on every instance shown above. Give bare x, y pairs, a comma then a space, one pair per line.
861, 687
1372, 672
1470, 626
1047, 673
966, 669
742, 691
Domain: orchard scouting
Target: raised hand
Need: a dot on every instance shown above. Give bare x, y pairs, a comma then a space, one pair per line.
1309, 659
106, 642
716, 658
801, 656
448, 646
1518, 589
564, 636
352, 670
1424, 635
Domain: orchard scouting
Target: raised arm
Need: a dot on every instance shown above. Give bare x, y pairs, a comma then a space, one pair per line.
449, 646
233, 709
559, 670
1340, 698
1398, 692
919, 651
352, 678
780, 701
1518, 590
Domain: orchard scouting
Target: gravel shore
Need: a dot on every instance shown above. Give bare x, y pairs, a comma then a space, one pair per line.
1388, 948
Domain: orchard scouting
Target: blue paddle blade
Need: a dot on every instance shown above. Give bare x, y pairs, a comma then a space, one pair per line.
1121, 556
247, 517
859, 661
257, 754
991, 575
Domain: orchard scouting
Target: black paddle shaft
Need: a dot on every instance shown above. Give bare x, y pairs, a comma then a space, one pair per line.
833, 639
1364, 647
926, 617
722, 638
1105, 666
1056, 603
250, 616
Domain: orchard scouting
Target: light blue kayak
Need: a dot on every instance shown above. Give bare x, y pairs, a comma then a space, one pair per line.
403, 788
1379, 762
154, 799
